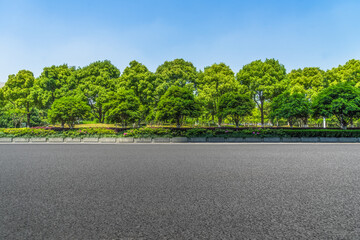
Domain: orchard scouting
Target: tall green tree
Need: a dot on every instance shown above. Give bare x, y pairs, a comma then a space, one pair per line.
18, 91
123, 107
54, 83
176, 104
264, 80
141, 81
236, 106
214, 82
291, 106
68, 110
349, 72
341, 100
175, 73
95, 81
309, 80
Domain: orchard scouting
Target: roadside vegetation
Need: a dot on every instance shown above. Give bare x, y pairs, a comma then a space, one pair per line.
148, 132
261, 94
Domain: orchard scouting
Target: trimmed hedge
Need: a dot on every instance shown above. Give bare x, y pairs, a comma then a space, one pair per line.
175, 132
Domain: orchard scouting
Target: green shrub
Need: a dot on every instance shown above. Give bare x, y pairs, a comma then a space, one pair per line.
147, 132
199, 132
174, 132
89, 132
25, 132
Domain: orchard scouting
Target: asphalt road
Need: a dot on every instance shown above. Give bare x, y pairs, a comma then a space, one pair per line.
180, 191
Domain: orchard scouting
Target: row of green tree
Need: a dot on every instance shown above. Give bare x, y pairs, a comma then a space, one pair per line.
177, 91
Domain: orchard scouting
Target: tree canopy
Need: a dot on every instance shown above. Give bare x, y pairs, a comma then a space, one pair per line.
264, 80
18, 92
341, 100
236, 106
213, 95
176, 104
214, 82
291, 106
68, 110
95, 81
123, 107
175, 73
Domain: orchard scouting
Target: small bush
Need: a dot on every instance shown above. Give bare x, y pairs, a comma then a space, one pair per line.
147, 132
26, 132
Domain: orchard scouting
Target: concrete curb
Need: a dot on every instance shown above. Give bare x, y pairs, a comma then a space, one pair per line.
5, 140
35, 140
72, 140
55, 140
198, 139
125, 140
329, 139
90, 140
183, 140
348, 140
107, 140
161, 140
309, 139
179, 140
234, 140
20, 140
253, 140
291, 140
143, 140
272, 139
216, 139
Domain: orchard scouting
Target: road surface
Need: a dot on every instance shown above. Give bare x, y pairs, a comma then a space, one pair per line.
180, 191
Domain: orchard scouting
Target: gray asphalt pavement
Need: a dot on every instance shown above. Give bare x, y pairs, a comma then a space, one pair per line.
180, 191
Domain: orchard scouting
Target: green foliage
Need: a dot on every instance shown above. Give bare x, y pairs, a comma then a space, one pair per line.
291, 107
264, 80
18, 91
123, 107
148, 132
89, 132
174, 73
25, 132
235, 105
5, 120
54, 82
349, 72
141, 81
177, 103
95, 81
26, 99
68, 110
341, 100
309, 81
214, 82
321, 133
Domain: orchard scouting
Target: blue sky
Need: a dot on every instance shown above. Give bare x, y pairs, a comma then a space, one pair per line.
300, 33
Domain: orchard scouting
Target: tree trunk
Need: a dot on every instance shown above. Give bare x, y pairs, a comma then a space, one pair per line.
178, 122
219, 121
343, 123
262, 113
28, 115
237, 123
305, 120
62, 125
100, 115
